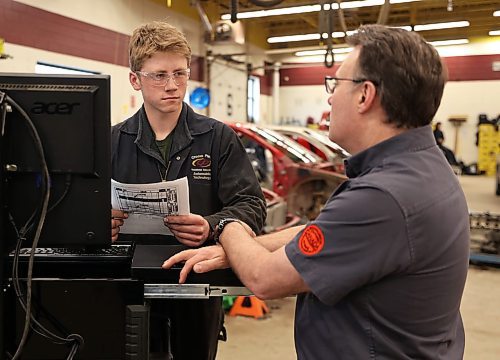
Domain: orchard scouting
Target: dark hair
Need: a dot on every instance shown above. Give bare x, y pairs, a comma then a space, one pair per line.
408, 72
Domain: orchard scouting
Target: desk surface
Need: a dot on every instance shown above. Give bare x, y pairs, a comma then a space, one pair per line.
148, 259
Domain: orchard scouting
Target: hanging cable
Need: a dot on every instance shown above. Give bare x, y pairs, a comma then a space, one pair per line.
43, 212
384, 13
234, 11
75, 340
343, 25
329, 59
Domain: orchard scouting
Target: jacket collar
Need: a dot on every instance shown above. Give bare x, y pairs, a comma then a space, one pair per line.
189, 125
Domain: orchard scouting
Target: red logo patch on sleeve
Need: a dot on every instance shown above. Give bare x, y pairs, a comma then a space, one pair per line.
311, 241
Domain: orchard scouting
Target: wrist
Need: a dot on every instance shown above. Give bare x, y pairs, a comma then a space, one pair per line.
221, 225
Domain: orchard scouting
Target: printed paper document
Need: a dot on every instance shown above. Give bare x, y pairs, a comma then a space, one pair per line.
148, 204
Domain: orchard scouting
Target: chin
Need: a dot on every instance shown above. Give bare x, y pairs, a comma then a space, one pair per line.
170, 103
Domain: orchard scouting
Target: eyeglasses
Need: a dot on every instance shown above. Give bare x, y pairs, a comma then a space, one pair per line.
331, 82
179, 77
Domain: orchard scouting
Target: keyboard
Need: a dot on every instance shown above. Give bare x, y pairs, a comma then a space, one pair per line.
113, 253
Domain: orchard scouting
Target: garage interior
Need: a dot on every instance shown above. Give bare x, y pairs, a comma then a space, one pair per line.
253, 68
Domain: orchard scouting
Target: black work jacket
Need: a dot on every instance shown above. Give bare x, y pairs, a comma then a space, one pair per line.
221, 180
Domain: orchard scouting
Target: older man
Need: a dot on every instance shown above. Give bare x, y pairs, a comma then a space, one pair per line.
380, 273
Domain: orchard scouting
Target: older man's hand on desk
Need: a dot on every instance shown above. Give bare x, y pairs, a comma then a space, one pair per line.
200, 260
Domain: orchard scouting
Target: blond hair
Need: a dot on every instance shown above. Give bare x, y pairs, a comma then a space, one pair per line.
153, 37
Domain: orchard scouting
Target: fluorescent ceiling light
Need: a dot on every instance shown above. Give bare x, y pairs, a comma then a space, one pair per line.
358, 4
496, 13
290, 38
303, 37
309, 8
274, 12
449, 42
405, 27
445, 25
342, 50
337, 34
494, 32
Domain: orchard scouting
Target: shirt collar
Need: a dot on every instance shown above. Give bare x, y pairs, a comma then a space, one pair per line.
409, 141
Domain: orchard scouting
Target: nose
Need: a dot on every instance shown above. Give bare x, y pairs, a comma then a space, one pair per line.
170, 84
330, 100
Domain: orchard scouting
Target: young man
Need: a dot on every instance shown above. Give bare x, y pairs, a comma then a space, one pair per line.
166, 140
381, 271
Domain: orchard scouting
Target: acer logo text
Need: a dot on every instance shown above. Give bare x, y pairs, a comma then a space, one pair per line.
53, 108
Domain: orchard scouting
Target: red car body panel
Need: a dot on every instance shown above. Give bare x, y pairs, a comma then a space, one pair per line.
306, 184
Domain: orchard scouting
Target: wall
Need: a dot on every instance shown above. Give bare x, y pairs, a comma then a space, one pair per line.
469, 99
118, 16
460, 98
228, 84
295, 108
93, 35
473, 89
124, 100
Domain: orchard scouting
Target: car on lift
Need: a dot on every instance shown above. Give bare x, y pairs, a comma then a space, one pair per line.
278, 217
317, 142
290, 170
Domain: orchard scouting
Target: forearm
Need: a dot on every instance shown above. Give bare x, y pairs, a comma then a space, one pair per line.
276, 240
268, 274
245, 255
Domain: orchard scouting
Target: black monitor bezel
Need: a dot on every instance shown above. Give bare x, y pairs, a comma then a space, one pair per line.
82, 219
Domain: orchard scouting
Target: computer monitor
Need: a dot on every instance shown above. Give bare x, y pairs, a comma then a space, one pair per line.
71, 114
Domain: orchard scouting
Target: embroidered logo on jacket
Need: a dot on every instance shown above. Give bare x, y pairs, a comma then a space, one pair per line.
200, 167
311, 241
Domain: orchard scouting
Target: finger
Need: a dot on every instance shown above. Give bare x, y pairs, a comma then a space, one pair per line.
186, 269
207, 265
181, 256
178, 219
191, 219
116, 223
118, 214
187, 235
191, 228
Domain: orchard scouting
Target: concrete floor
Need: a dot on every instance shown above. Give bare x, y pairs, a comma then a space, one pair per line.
272, 337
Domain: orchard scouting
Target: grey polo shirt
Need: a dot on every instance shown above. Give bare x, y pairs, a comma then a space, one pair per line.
387, 258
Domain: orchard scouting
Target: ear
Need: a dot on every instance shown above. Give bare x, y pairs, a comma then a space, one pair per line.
134, 80
367, 95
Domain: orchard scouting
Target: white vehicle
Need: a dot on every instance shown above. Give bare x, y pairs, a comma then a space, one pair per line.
317, 142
